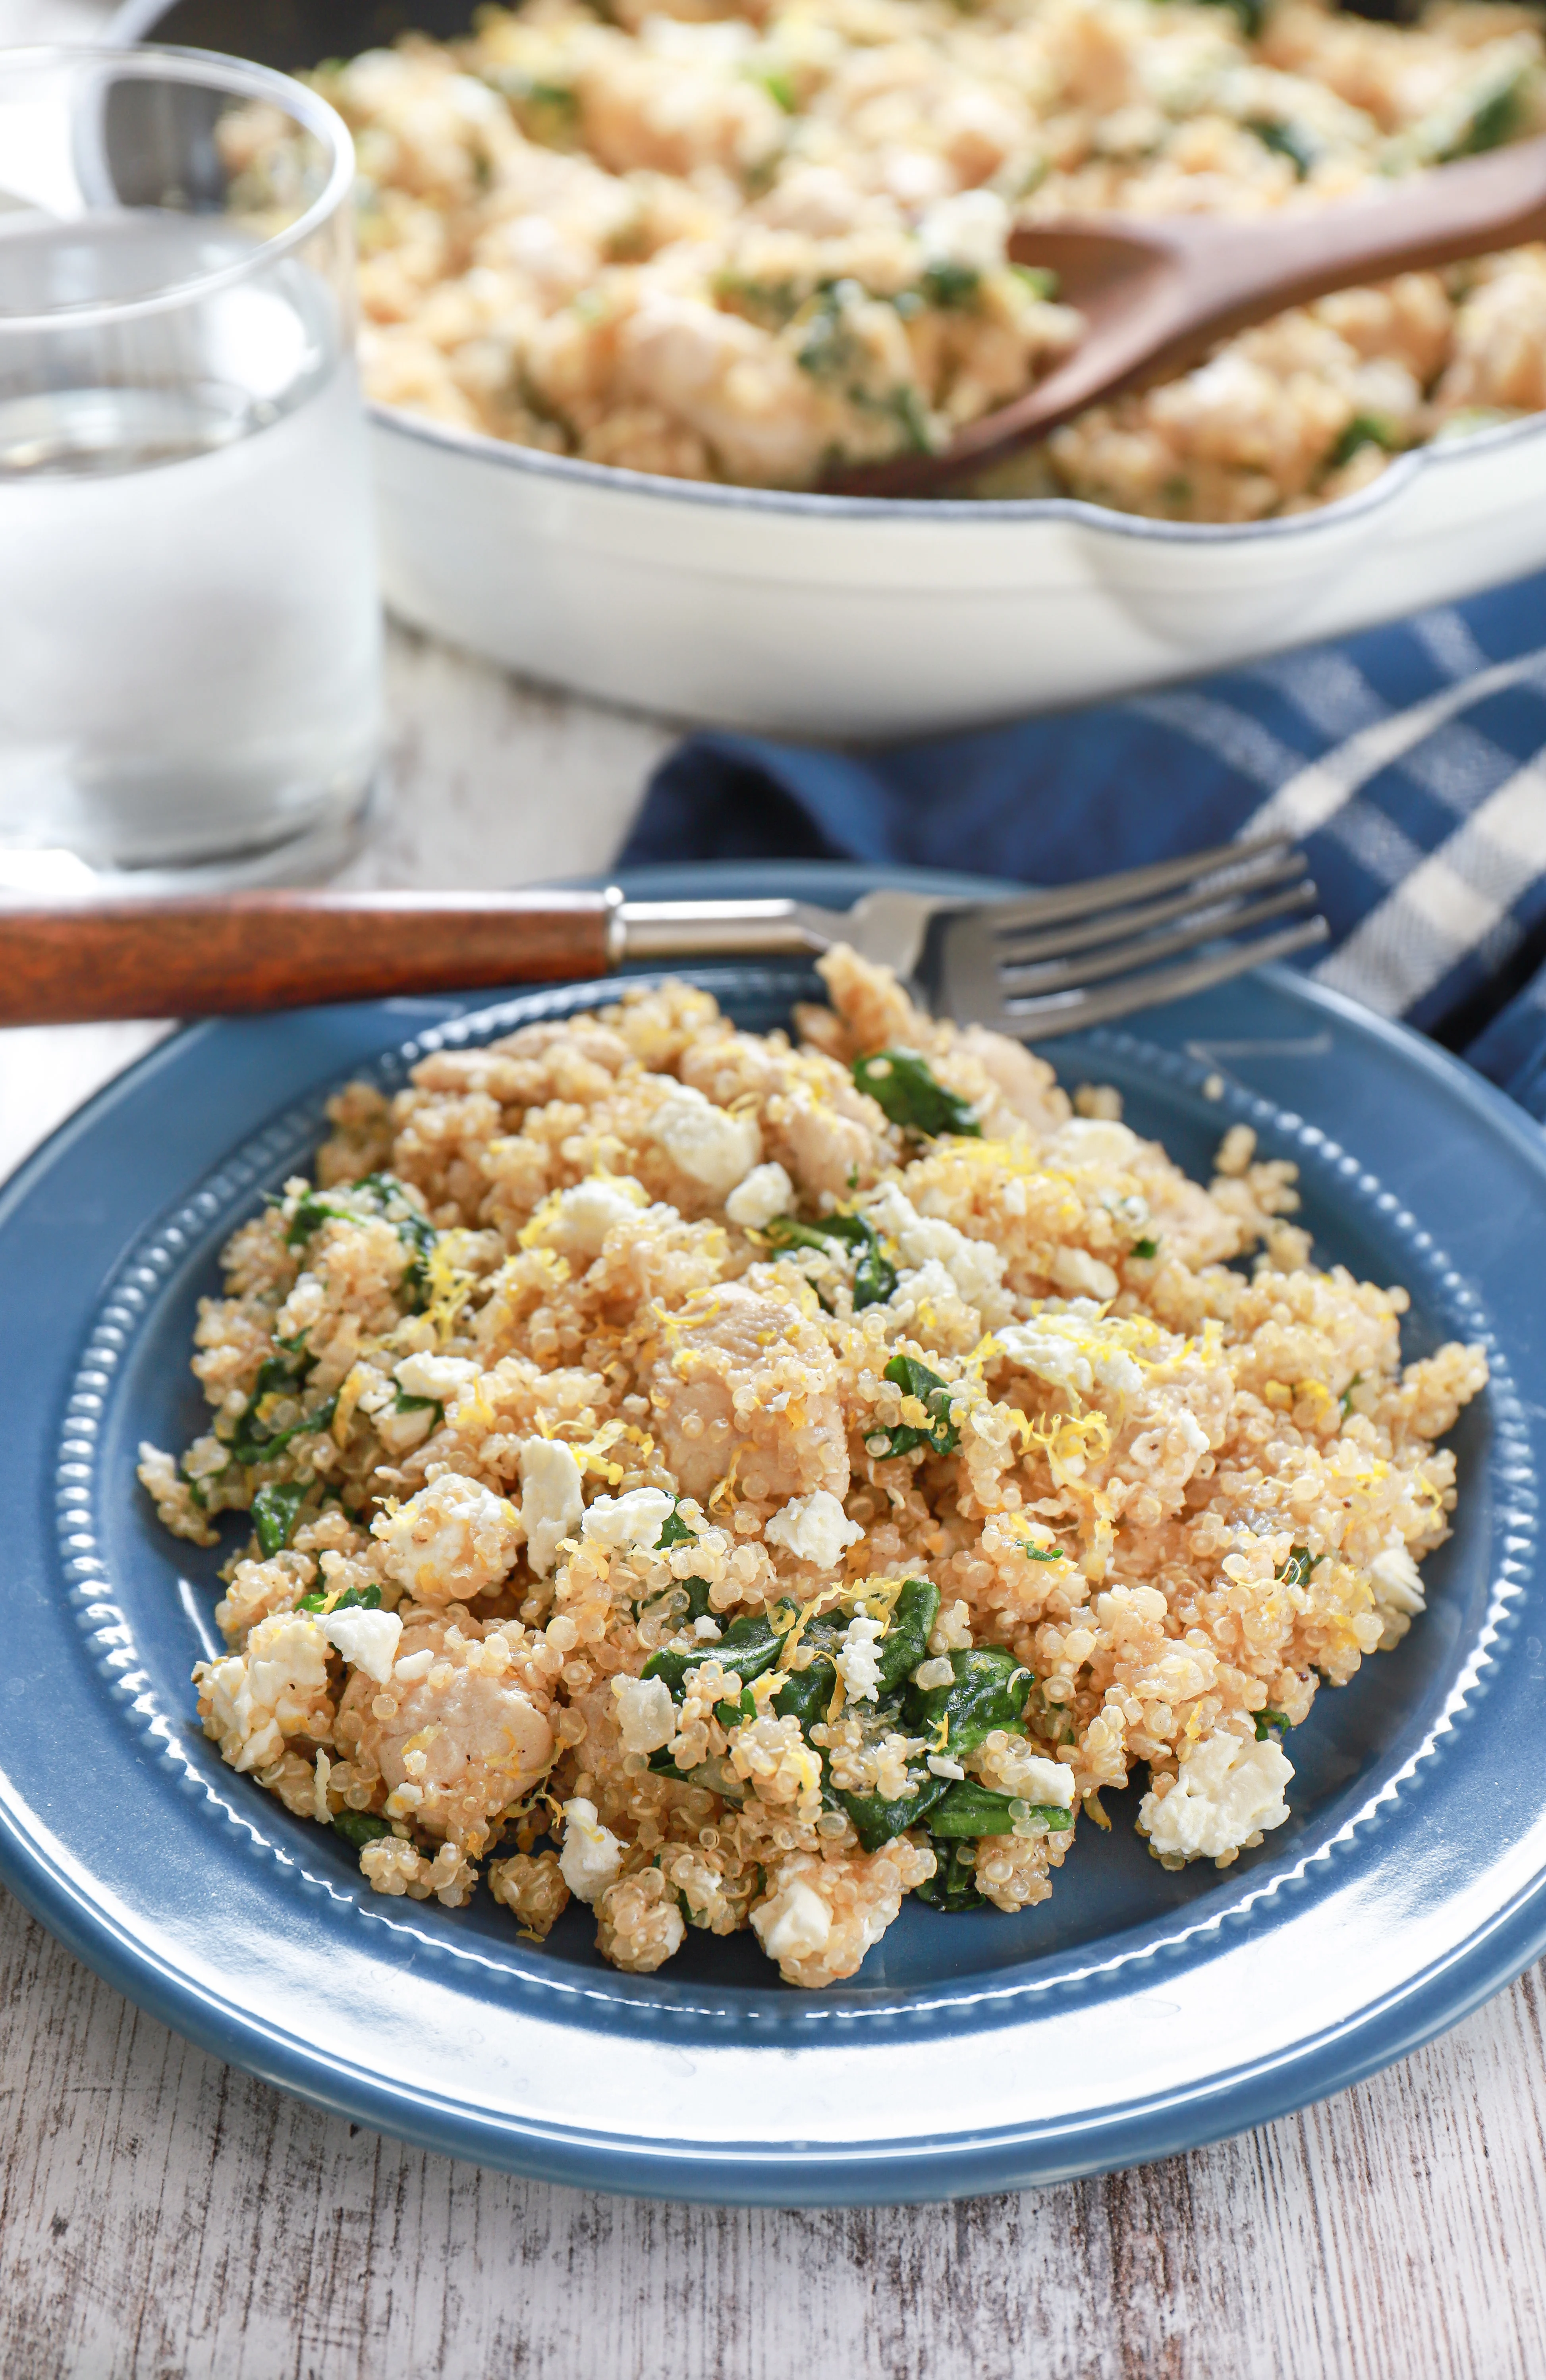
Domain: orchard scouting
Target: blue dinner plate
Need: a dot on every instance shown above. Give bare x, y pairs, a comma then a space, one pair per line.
1137, 2013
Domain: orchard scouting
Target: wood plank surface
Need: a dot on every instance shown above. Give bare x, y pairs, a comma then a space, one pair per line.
162, 2218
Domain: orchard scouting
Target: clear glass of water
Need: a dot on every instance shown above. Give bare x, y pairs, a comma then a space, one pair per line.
190, 623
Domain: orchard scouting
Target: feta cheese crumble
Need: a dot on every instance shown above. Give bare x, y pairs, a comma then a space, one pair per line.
968, 229
767, 1191
591, 1209
269, 1689
368, 1640
975, 1266
856, 1662
1227, 1790
619, 1522
1075, 1347
646, 1714
1397, 1581
714, 1147
793, 1922
552, 1499
439, 1377
1044, 1782
591, 1856
814, 1528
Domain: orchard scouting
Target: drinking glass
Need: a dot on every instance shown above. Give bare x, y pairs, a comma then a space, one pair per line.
189, 623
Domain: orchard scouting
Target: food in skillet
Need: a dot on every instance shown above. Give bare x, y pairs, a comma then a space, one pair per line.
738, 244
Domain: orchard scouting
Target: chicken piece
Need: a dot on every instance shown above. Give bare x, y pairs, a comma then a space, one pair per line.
459, 1731
743, 1382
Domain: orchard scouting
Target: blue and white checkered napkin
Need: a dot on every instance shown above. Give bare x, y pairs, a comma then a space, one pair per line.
1410, 761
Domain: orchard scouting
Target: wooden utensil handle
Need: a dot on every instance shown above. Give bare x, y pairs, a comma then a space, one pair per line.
73, 961
1476, 207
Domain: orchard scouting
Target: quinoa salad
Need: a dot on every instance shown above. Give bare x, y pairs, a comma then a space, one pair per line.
738, 1480
746, 244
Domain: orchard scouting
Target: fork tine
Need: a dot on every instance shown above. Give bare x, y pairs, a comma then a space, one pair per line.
1129, 884
1071, 1011
1019, 949
1206, 926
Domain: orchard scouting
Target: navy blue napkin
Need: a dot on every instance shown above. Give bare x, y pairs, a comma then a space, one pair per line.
1410, 761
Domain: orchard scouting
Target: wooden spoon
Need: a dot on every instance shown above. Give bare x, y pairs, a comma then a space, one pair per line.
1157, 294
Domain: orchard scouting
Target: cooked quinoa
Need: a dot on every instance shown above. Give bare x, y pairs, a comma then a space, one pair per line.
735, 1480
738, 244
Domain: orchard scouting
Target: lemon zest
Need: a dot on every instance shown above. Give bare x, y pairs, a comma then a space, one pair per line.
349, 1395
541, 1218
725, 1488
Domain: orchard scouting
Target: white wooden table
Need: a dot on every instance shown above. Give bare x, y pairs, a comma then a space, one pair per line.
163, 2217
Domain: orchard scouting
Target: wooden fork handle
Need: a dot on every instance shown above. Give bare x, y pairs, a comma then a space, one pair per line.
69, 962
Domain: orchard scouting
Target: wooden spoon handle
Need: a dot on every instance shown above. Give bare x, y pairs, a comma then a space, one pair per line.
1243, 271
75, 961
1158, 291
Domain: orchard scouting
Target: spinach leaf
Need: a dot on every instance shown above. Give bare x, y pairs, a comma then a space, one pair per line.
1364, 429
253, 1443
1247, 14
969, 1811
827, 348
988, 1691
359, 1829
906, 1642
806, 1695
673, 1532
946, 284
385, 1197
953, 1885
876, 1822
779, 87
279, 1376
875, 1275
1297, 1570
874, 1278
354, 1598
750, 1646
661, 1764
915, 1379
697, 1591
733, 1713
275, 1509
1345, 1400
905, 1088
1285, 140
1266, 1721
1144, 1248
697, 1594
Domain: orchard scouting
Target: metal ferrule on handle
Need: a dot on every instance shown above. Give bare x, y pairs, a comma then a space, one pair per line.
676, 930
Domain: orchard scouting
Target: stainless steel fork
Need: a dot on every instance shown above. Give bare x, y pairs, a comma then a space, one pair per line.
1033, 964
